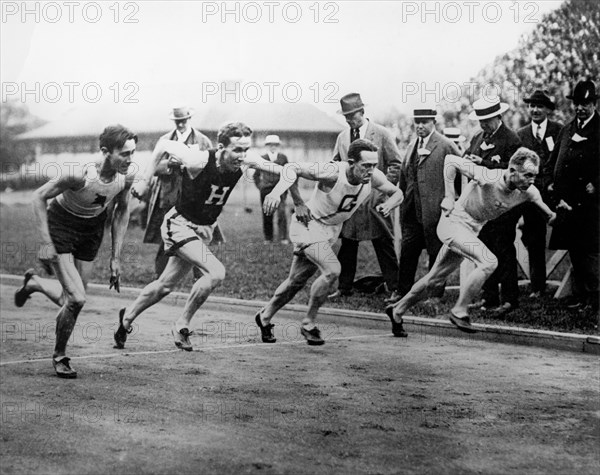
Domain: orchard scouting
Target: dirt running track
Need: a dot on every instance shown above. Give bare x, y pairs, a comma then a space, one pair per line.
365, 402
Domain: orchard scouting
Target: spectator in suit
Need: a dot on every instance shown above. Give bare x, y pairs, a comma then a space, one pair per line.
540, 136
492, 147
166, 184
422, 182
366, 224
576, 183
265, 182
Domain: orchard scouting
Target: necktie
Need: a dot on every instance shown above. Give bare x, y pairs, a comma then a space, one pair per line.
420, 143
538, 134
579, 124
355, 135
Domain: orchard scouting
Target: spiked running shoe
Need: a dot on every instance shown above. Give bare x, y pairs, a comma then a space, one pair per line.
122, 332
22, 294
462, 323
182, 338
266, 331
397, 328
63, 368
313, 337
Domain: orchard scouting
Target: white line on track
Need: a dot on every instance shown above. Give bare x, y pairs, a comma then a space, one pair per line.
206, 348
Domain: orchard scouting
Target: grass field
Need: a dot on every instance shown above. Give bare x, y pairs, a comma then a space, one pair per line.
254, 269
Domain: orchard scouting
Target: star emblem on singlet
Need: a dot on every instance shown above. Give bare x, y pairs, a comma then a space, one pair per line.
100, 200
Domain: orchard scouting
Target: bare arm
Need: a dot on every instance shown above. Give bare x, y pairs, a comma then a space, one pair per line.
536, 197
120, 219
40, 202
323, 172
454, 164
193, 160
394, 194
303, 214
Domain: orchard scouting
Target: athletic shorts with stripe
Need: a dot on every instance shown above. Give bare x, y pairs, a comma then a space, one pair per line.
177, 231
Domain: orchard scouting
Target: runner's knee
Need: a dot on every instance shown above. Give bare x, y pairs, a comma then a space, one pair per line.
217, 275
332, 272
163, 288
75, 301
488, 265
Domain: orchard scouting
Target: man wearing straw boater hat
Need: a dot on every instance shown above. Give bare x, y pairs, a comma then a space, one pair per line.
492, 147
539, 135
454, 134
166, 185
422, 181
366, 224
576, 189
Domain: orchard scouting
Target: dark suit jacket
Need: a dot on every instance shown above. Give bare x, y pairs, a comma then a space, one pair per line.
422, 182
266, 181
505, 142
577, 165
165, 189
366, 223
543, 150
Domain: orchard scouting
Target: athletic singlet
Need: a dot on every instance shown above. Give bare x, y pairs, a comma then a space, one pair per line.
337, 205
202, 198
91, 200
486, 202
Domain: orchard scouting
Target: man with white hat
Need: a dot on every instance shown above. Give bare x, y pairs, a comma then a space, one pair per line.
454, 134
265, 182
540, 136
492, 147
166, 185
422, 182
577, 191
366, 224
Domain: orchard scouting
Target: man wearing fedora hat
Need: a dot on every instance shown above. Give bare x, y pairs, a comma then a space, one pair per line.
422, 181
166, 185
540, 136
366, 224
265, 182
492, 148
576, 190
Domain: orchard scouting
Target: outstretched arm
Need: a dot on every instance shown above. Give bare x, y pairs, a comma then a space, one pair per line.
536, 197
317, 171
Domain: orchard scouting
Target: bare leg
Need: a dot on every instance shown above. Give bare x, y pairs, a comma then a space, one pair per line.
155, 291
325, 259
445, 263
74, 300
213, 273
49, 287
52, 288
485, 264
301, 270
459, 242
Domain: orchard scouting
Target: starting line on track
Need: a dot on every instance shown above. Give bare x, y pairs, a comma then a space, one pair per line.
196, 350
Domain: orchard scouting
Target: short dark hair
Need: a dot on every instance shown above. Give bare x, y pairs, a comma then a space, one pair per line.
232, 129
523, 155
360, 145
114, 137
